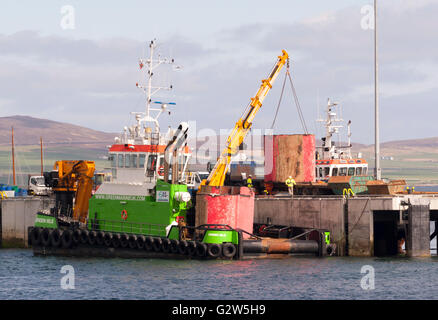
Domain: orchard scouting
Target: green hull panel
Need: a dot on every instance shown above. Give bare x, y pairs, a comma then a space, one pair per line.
44, 221
221, 236
138, 214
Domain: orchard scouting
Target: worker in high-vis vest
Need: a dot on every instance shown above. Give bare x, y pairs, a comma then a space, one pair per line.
249, 181
290, 184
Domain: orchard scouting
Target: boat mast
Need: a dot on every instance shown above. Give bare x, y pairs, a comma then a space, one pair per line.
41, 147
377, 170
331, 127
13, 156
152, 64
150, 74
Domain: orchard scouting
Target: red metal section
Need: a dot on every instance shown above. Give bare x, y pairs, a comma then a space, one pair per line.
224, 205
309, 158
271, 149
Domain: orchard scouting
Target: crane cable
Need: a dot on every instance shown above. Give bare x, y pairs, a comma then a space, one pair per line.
279, 102
297, 103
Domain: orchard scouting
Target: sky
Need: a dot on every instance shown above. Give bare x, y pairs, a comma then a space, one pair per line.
86, 74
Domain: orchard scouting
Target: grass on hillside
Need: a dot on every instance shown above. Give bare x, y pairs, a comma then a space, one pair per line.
28, 161
415, 168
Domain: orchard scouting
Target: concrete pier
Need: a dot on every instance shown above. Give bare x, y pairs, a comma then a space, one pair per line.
361, 225
304, 212
418, 244
17, 214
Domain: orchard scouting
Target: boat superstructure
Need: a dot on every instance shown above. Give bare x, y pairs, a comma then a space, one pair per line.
142, 181
337, 160
137, 156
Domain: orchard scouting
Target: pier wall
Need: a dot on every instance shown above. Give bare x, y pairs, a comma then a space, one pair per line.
319, 213
418, 244
352, 221
360, 222
17, 214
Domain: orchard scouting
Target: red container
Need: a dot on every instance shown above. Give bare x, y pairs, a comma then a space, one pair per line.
289, 155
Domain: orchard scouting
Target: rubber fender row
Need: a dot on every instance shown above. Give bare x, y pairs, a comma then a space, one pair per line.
69, 238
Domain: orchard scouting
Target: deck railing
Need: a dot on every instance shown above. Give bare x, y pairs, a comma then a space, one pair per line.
127, 227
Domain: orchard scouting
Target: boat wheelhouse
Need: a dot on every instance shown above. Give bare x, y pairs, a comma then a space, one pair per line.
132, 163
340, 167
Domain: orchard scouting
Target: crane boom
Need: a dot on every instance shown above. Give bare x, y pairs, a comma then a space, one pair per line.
73, 176
235, 139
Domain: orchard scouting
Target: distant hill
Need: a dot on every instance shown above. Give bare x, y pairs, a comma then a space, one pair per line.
426, 145
28, 130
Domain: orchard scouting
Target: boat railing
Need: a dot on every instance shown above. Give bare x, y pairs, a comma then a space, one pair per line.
127, 227
153, 138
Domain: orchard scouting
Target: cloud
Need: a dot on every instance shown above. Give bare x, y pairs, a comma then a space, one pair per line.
92, 83
333, 55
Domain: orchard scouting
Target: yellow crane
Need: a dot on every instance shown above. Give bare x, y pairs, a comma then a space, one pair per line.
73, 177
235, 139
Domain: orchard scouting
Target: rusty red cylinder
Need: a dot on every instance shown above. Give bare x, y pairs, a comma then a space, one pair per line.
289, 155
233, 206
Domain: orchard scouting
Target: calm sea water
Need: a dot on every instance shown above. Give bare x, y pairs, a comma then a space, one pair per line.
24, 276
427, 188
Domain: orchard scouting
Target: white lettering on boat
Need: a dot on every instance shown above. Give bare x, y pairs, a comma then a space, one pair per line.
44, 220
119, 197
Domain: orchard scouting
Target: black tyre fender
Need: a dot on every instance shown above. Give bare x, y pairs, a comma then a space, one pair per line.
191, 248
67, 239
183, 247
100, 241
76, 237
124, 240
92, 237
174, 244
55, 238
45, 237
115, 241
214, 250
201, 249
140, 242
228, 250
165, 245
148, 244
157, 244
84, 236
107, 239
132, 241
35, 236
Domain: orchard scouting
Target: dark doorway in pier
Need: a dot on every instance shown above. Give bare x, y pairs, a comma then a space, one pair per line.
386, 233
